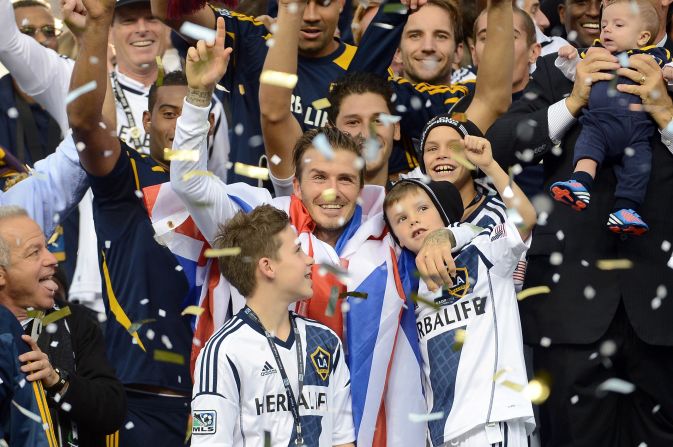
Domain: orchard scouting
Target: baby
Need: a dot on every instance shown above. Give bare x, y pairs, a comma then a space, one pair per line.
611, 129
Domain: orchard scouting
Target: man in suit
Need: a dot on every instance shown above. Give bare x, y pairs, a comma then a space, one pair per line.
597, 324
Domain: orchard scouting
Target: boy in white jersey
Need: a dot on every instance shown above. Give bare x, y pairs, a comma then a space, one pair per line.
270, 377
470, 408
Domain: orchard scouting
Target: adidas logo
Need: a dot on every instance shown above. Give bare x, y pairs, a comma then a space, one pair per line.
268, 369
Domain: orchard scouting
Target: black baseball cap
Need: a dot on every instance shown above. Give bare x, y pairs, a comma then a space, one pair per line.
121, 3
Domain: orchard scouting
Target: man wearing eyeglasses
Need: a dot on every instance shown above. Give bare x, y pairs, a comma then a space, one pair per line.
26, 129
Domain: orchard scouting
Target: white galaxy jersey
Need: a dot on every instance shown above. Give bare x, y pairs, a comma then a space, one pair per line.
239, 393
491, 212
459, 382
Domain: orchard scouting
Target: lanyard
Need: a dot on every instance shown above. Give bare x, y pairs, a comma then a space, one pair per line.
476, 200
121, 98
292, 401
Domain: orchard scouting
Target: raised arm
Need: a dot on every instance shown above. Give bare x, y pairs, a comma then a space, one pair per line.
85, 112
493, 94
478, 151
206, 197
280, 128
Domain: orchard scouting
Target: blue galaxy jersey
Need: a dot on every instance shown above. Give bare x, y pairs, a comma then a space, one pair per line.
144, 286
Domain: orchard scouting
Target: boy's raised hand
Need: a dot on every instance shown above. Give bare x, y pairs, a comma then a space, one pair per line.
207, 61
478, 151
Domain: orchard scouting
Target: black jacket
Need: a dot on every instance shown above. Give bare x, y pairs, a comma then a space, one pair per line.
567, 314
96, 397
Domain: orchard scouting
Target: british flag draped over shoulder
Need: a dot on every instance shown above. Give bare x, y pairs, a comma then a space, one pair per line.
378, 332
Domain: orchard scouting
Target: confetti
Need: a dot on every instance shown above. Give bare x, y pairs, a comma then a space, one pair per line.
556, 258
556, 277
160, 72
371, 149
617, 386
55, 316
335, 270
278, 79
459, 337
162, 313
275, 159
383, 25
321, 103
241, 89
267, 434
589, 292
322, 145
545, 342
79, 91
426, 417
168, 357
656, 408
608, 348
422, 300
270, 42
221, 252
65, 406
395, 8
508, 193
614, 264
513, 386
181, 155
538, 290
129, 425
655, 303
137, 324
26, 412
387, 120
251, 171
198, 32
238, 129
574, 399
665, 245
192, 310
197, 173
51, 328
354, 294
166, 341
537, 391
328, 195
331, 304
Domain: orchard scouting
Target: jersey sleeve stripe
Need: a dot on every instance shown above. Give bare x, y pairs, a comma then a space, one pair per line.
210, 366
208, 350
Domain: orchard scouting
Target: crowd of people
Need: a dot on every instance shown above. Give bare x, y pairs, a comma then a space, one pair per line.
336, 223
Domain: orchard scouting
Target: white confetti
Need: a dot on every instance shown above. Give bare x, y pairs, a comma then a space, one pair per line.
79, 91
560, 235
556, 258
608, 348
665, 245
167, 342
371, 149
144, 301
656, 408
589, 292
198, 32
80, 146
656, 303
129, 425
149, 334
29, 414
238, 129
65, 406
162, 313
54, 344
275, 159
617, 386
102, 318
51, 328
391, 119
662, 291
425, 417
508, 193
178, 268
107, 244
623, 59
12, 113
555, 277
574, 399
584, 263
593, 356
545, 342
322, 145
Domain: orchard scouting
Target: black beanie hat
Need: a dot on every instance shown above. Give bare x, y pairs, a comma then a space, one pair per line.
444, 196
463, 128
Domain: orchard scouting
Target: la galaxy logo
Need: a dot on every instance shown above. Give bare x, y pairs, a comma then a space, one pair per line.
321, 362
460, 288
204, 422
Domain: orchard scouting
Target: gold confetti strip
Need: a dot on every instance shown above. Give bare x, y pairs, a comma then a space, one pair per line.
398, 8
321, 103
221, 252
37, 314
181, 155
539, 290
168, 357
160, 72
513, 385
458, 156
188, 435
329, 195
251, 171
193, 310
241, 89
419, 299
267, 434
55, 316
354, 294
614, 264
278, 78
137, 324
331, 304
499, 374
197, 173
459, 116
